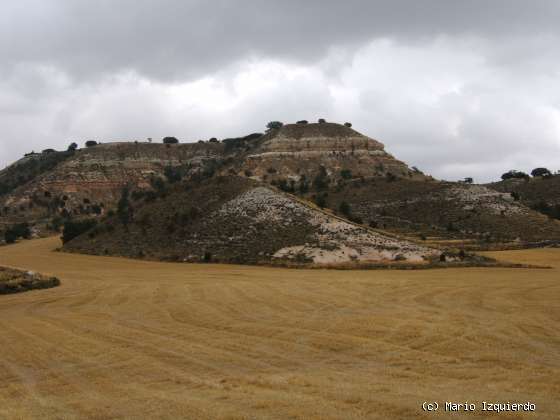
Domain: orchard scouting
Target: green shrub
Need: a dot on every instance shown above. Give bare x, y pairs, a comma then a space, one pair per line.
321, 200
345, 208
321, 181
20, 230
173, 174
73, 229
346, 174
513, 174
274, 125
10, 237
542, 172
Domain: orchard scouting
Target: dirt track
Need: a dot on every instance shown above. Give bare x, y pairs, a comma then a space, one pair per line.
131, 339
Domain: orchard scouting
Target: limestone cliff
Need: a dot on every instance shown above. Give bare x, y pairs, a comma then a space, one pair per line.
297, 151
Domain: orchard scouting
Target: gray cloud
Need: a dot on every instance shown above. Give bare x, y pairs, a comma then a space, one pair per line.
457, 88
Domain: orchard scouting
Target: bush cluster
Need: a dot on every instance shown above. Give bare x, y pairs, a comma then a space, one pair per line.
74, 228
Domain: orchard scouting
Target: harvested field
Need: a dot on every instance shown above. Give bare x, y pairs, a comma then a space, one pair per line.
135, 339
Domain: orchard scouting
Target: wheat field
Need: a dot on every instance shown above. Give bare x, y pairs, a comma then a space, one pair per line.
127, 339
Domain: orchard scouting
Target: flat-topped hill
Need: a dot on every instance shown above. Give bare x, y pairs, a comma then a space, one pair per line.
297, 152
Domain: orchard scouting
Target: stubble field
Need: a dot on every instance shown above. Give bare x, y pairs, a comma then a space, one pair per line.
126, 339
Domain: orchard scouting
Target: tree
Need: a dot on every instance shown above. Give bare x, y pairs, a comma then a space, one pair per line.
322, 121
274, 125
321, 181
513, 174
172, 174
91, 143
170, 140
468, 180
321, 200
542, 172
10, 236
124, 209
347, 124
20, 230
302, 122
73, 146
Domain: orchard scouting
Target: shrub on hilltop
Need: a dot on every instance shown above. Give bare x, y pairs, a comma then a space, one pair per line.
542, 172
274, 125
513, 174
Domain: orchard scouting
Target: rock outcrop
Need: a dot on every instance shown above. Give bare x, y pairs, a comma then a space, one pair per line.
298, 151
93, 178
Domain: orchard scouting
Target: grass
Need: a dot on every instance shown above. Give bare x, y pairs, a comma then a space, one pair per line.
137, 339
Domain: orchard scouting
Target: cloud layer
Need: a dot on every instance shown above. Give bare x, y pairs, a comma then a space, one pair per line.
456, 88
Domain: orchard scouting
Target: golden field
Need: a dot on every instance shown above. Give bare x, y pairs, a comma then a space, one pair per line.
127, 339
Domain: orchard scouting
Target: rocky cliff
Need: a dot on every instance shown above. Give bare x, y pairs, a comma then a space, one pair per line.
296, 152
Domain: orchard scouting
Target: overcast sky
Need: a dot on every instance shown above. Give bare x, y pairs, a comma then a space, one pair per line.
456, 88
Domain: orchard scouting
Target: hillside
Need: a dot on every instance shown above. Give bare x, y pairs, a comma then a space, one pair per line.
442, 210
233, 219
89, 181
28, 169
329, 164
539, 193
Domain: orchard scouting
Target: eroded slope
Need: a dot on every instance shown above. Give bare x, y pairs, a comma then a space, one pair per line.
232, 219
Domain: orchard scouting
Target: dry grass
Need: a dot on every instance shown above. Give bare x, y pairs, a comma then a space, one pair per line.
135, 339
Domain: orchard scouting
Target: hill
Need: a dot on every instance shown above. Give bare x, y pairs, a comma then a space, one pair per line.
352, 174
89, 181
237, 220
295, 152
441, 211
329, 164
539, 193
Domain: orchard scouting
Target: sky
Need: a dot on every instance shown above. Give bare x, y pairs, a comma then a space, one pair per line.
456, 88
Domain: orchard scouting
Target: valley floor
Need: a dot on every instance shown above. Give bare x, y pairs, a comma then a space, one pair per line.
133, 339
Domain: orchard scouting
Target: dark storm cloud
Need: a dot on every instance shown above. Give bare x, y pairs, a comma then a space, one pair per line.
180, 39
459, 88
